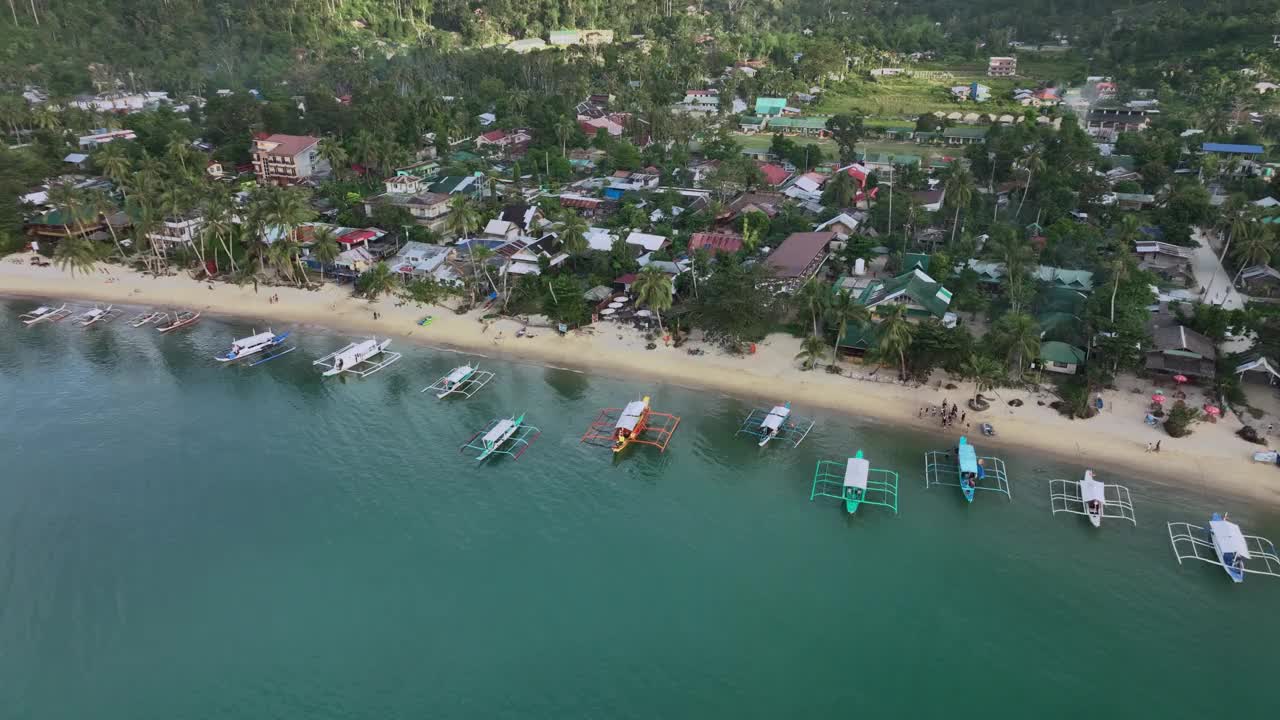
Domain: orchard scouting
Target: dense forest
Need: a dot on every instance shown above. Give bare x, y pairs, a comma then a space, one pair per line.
72, 46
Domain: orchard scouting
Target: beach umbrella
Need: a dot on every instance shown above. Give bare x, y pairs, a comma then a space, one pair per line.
1213, 410
1157, 399
1179, 378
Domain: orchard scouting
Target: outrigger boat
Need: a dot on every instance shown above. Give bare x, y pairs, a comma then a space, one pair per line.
148, 318
266, 345
504, 436
618, 428
464, 380
44, 314
178, 321
98, 314
776, 424
856, 482
970, 472
1091, 498
1231, 548
359, 358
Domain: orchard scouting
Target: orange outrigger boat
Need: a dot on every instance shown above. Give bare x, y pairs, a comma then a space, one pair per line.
636, 423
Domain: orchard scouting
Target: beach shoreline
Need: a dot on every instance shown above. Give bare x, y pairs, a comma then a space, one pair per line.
1211, 460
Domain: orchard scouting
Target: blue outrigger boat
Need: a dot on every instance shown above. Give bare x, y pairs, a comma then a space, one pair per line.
963, 468
1223, 544
267, 346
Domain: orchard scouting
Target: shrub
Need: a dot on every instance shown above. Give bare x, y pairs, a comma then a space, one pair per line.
1181, 418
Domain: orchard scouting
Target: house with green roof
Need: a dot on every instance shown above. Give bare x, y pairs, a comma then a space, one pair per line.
922, 295
964, 135
882, 162
799, 125
857, 339
991, 273
770, 107
1059, 357
751, 123
57, 224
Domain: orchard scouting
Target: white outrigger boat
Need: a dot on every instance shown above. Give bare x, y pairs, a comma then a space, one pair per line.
148, 318
1230, 547
510, 432
361, 359
776, 424
178, 321
267, 345
98, 314
1091, 498
44, 313
464, 380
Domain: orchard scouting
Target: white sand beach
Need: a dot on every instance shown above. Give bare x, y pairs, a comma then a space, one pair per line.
1212, 458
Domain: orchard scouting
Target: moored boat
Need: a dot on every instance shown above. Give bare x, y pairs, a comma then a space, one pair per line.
44, 313
178, 321
267, 344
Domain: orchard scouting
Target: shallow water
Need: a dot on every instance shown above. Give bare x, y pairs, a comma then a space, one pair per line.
181, 539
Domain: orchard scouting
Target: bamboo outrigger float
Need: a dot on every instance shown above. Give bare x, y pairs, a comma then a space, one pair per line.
45, 313
1092, 499
464, 380
361, 359
856, 483
963, 468
504, 436
618, 428
179, 321
776, 424
1230, 547
98, 314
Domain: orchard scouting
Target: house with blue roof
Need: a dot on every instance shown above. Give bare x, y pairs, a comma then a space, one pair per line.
1234, 150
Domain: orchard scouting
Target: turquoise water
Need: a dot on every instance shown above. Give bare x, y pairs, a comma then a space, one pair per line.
181, 539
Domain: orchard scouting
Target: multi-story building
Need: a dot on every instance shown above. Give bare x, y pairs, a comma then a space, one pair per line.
409, 192
287, 159
1002, 66
177, 231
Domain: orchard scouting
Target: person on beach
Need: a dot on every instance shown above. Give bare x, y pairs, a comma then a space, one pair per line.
1148, 447
963, 415
1158, 445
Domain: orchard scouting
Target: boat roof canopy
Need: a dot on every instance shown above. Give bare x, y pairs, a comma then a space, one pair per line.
1091, 489
968, 458
630, 415
1228, 537
855, 473
774, 419
498, 430
459, 374
255, 339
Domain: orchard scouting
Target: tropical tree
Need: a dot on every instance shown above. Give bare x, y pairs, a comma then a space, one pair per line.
843, 310
813, 296
76, 254
653, 289
219, 221
1118, 267
1020, 335
114, 163
336, 155
324, 247
811, 351
894, 335
839, 191
983, 371
1254, 247
1033, 163
480, 256
564, 130
377, 281
463, 217
959, 190
103, 205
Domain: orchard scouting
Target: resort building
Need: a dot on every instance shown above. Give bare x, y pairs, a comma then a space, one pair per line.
922, 295
409, 192
287, 159
102, 137
1002, 66
174, 231
1171, 263
1060, 357
1182, 351
800, 256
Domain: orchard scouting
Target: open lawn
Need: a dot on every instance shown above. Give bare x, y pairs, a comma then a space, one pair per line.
762, 141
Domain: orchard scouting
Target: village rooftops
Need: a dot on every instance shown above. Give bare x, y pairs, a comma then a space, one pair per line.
800, 255
646, 241
715, 242
284, 145
1233, 149
916, 286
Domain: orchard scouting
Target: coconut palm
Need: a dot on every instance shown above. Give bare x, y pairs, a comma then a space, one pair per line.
480, 256
336, 155
1033, 163
1254, 247
894, 335
844, 310
376, 281
653, 289
45, 118
574, 236
103, 205
985, 372
564, 130
114, 163
463, 217
324, 247
959, 190
76, 254
1020, 333
70, 203
811, 351
813, 296
1118, 267
219, 220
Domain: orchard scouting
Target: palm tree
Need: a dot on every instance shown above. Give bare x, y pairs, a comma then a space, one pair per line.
1119, 269
564, 130
281, 256
811, 351
983, 371
1033, 163
324, 247
814, 296
103, 205
115, 164
336, 155
894, 335
653, 289
959, 189
70, 203
1022, 335
463, 217
574, 236
45, 118
179, 149
480, 262
76, 254
843, 311
219, 220
1253, 248
377, 280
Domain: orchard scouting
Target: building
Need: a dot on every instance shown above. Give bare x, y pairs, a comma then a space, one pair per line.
809, 126
1178, 350
566, 38
503, 141
922, 295
770, 107
624, 181
843, 225
774, 175
1108, 123
1260, 280
699, 102
800, 256
177, 231
715, 242
411, 193
287, 159
1001, 66
1248, 152
930, 200
102, 137
964, 135
1060, 357
1171, 263
646, 241
417, 260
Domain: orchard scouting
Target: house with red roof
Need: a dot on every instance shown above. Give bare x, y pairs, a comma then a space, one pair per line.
280, 159
503, 140
715, 242
774, 175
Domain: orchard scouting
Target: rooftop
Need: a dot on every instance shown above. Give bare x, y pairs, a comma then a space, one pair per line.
800, 254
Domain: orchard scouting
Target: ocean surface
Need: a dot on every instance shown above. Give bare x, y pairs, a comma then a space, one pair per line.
181, 539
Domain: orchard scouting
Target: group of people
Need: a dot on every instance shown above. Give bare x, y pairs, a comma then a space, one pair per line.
1154, 448
948, 414
273, 299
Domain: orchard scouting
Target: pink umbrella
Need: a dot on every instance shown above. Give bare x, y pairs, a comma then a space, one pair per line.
1179, 378
1157, 399
1212, 410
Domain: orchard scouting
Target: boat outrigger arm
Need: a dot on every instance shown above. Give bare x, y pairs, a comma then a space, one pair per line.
856, 483
464, 380
361, 359
776, 423
963, 469
1222, 544
1092, 499
504, 436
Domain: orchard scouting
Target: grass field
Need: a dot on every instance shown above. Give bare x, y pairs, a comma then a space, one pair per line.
761, 142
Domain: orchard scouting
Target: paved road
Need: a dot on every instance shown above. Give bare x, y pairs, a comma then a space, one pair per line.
1211, 275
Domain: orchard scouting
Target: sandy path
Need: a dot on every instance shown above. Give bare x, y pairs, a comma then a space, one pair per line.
1210, 459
